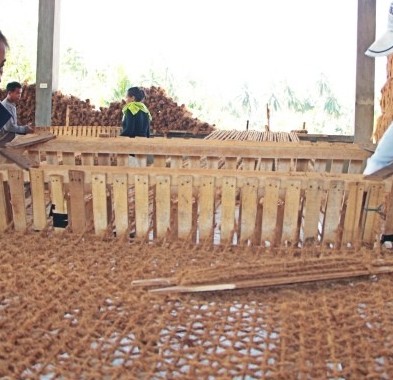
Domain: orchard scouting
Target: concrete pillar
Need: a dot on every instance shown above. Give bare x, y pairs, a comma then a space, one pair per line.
47, 59
365, 72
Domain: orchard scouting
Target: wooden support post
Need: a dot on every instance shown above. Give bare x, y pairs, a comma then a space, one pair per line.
17, 191
38, 198
100, 207
142, 205
4, 217
78, 214
228, 206
249, 199
206, 207
184, 213
163, 205
120, 201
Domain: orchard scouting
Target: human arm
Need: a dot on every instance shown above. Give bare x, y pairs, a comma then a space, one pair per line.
128, 124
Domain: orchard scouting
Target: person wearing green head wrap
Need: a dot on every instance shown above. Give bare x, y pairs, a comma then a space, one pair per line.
136, 116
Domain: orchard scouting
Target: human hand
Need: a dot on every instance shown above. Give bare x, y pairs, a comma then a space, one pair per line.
30, 128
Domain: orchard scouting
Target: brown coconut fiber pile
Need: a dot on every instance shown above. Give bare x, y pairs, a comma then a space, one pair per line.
69, 310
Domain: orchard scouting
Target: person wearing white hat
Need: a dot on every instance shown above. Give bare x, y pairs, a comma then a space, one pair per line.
383, 155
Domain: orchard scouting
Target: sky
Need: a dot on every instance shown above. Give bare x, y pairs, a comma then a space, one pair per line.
222, 43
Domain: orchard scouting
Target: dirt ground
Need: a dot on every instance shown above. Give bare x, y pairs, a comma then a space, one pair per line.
69, 310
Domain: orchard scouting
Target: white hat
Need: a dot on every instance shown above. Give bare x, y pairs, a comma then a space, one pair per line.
383, 46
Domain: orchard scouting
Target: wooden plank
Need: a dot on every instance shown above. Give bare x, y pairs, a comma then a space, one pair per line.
51, 158
122, 160
320, 166
142, 205
206, 207
38, 199
365, 72
195, 162
4, 219
291, 211
231, 163
265, 165
142, 160
355, 167
202, 148
334, 206
120, 201
23, 141
100, 207
212, 162
371, 221
283, 165
87, 159
163, 205
77, 213
270, 207
228, 207
176, 162
68, 158
17, 157
249, 164
314, 192
57, 194
159, 161
249, 200
103, 159
388, 230
353, 210
17, 191
184, 212
337, 166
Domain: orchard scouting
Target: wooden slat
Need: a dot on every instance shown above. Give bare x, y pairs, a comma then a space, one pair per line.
17, 191
160, 161
120, 201
142, 160
184, 206
142, 205
77, 212
375, 199
51, 158
337, 166
103, 159
320, 166
228, 198
57, 194
163, 205
353, 212
249, 199
355, 167
291, 211
4, 220
87, 159
206, 207
249, 164
68, 158
100, 215
176, 162
38, 199
122, 159
230, 163
212, 162
333, 212
314, 191
270, 207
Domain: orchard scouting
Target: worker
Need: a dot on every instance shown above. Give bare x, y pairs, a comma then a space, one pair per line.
14, 93
136, 116
383, 155
3, 48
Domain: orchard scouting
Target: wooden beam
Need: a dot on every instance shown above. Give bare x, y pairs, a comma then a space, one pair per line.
365, 72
